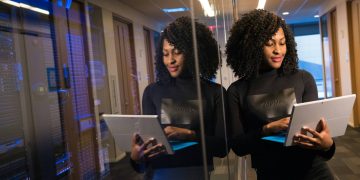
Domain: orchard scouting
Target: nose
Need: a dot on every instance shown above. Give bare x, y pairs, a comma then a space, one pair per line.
172, 61
276, 50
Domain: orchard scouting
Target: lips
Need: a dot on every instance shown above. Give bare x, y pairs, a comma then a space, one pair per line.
173, 68
276, 59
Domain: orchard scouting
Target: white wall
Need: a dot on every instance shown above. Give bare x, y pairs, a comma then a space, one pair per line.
138, 20
342, 40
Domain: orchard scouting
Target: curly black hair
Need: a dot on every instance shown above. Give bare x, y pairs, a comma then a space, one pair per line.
179, 34
244, 48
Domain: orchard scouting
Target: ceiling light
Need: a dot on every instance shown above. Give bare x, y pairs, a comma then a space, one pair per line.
171, 10
261, 4
25, 6
285, 13
11, 3
208, 9
316, 16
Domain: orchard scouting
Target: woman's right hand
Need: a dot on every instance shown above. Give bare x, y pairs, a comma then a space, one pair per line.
276, 126
140, 151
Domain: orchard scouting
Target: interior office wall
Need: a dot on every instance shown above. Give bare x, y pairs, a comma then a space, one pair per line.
343, 43
138, 20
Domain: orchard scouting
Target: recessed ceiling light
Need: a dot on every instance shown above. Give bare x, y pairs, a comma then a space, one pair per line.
316, 16
285, 13
208, 8
261, 4
171, 10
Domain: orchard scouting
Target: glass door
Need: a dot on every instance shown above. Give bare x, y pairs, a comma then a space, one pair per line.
47, 120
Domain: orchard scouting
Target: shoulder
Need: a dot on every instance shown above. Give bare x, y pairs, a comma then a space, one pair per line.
153, 87
150, 87
305, 75
300, 74
237, 86
212, 88
211, 85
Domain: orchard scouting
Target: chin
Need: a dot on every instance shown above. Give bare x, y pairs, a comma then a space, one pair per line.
276, 66
174, 75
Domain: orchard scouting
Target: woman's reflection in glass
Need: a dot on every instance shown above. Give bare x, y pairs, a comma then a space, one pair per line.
174, 99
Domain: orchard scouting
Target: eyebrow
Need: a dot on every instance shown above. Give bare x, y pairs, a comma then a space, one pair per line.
167, 49
280, 38
172, 50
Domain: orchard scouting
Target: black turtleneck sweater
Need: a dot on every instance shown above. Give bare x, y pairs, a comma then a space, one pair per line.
269, 97
175, 101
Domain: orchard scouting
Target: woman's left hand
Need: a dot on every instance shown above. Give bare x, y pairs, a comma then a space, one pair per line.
321, 139
176, 133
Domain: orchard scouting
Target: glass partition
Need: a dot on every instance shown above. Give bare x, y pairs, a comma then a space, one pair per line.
141, 40
33, 139
65, 64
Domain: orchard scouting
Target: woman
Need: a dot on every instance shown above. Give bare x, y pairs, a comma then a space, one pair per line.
262, 52
174, 99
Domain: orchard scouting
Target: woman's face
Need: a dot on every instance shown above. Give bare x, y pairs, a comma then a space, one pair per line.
275, 50
173, 59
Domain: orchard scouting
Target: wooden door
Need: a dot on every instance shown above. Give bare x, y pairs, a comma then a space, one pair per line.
150, 52
335, 54
353, 8
126, 65
331, 64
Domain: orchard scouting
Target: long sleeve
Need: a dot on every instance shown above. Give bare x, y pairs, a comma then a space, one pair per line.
311, 94
216, 133
310, 89
176, 101
148, 109
243, 142
148, 105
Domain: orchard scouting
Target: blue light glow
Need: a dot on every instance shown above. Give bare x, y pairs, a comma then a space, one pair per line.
68, 4
60, 3
171, 10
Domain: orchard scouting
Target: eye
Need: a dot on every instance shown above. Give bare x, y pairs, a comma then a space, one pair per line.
165, 54
177, 52
269, 43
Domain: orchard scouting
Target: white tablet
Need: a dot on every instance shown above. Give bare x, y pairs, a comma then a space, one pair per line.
122, 127
336, 111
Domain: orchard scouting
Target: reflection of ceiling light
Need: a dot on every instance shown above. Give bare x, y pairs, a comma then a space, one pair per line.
171, 10
25, 6
261, 4
208, 9
285, 13
316, 16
